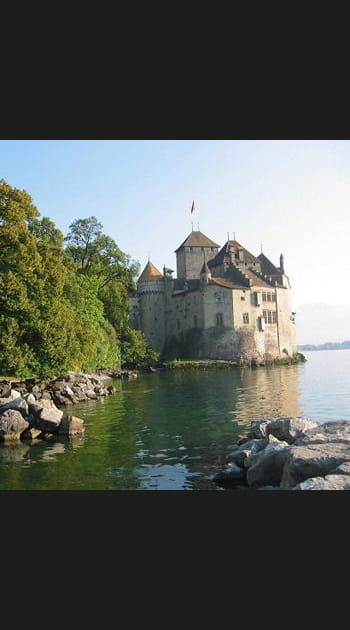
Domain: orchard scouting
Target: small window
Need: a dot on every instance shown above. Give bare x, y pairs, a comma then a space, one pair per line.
195, 321
245, 318
219, 319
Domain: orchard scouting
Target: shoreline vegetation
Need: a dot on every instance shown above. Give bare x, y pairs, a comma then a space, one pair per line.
203, 364
175, 364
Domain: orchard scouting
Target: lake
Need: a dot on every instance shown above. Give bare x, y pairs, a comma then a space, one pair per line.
172, 430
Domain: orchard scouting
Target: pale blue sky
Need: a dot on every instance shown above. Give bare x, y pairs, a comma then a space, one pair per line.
293, 196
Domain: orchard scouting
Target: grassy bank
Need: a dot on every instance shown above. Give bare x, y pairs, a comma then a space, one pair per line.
204, 364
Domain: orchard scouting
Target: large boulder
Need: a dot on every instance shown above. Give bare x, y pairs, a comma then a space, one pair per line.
18, 403
5, 389
313, 460
288, 429
267, 466
231, 474
335, 431
244, 450
36, 406
12, 425
49, 419
258, 428
329, 482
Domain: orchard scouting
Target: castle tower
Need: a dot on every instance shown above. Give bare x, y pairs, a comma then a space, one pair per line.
190, 254
150, 291
205, 275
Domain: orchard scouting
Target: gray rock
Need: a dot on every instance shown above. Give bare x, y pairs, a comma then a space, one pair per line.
343, 469
15, 394
71, 425
49, 419
31, 433
36, 406
258, 428
313, 460
230, 474
329, 482
29, 398
251, 447
12, 424
268, 465
16, 403
91, 394
5, 389
288, 429
336, 431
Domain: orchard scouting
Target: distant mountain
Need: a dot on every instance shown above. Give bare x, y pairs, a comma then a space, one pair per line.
326, 346
321, 323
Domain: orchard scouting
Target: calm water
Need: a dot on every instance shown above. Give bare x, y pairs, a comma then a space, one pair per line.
171, 431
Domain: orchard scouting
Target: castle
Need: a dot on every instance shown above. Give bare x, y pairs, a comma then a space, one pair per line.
224, 304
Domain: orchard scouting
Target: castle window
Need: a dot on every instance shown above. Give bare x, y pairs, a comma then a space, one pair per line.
270, 317
195, 321
219, 319
178, 324
242, 298
245, 318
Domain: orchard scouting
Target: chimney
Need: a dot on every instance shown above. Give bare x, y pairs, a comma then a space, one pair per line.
282, 263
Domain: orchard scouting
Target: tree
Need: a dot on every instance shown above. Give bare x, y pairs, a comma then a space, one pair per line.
97, 255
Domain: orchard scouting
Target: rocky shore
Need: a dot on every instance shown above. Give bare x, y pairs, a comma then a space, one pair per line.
289, 454
31, 409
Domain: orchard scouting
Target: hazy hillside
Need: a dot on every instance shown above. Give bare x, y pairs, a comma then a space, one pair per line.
318, 323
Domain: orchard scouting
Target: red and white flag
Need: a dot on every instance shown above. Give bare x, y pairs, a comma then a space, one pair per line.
192, 207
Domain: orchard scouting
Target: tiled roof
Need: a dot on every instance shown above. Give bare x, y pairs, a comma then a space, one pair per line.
197, 239
205, 268
267, 266
227, 283
149, 273
224, 251
256, 279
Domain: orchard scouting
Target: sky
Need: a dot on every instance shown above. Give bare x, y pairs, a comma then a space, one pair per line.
275, 196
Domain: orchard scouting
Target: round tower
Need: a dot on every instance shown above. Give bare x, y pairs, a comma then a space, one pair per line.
150, 291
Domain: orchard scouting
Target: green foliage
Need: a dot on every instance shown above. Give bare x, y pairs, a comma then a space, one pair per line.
62, 308
135, 350
98, 256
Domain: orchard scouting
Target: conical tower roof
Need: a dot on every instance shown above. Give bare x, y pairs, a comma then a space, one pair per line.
205, 269
149, 273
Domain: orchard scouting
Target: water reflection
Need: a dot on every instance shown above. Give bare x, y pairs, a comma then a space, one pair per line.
161, 431
10, 453
268, 392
